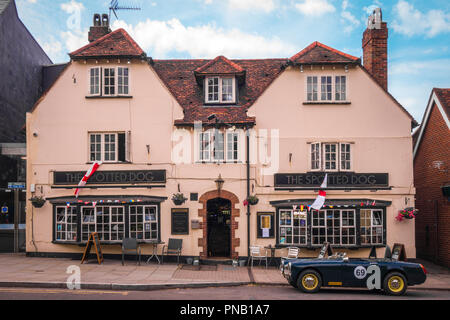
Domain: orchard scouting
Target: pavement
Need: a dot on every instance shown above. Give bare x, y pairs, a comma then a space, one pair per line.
18, 270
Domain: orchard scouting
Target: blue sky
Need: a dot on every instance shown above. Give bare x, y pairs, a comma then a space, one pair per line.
419, 32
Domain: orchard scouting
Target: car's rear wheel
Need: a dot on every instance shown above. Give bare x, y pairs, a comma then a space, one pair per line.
309, 281
395, 284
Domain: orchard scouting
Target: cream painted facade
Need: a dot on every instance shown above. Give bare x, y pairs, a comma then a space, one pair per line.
57, 141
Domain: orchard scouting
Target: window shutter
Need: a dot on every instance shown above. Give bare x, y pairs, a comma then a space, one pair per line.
121, 147
128, 146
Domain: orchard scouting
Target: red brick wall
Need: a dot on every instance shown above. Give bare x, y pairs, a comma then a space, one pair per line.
375, 57
431, 171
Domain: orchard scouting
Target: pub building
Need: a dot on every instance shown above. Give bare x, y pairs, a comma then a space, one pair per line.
187, 146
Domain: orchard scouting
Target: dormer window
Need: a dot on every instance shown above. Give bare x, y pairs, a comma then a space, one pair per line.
220, 90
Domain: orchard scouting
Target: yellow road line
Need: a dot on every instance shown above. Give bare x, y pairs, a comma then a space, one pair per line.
55, 291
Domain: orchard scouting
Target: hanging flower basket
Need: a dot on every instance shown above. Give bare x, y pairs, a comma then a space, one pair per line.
178, 199
251, 200
407, 213
38, 201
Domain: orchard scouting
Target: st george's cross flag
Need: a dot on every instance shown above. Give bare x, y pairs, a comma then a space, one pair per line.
86, 177
320, 200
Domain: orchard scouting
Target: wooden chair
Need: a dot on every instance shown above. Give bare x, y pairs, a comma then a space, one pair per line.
256, 254
130, 245
174, 247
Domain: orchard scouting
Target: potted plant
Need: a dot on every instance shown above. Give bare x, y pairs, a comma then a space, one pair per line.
251, 200
178, 199
37, 201
407, 213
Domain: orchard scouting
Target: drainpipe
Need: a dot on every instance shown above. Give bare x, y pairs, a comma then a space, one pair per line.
248, 192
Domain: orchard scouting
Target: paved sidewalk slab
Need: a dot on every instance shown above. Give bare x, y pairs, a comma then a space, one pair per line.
21, 271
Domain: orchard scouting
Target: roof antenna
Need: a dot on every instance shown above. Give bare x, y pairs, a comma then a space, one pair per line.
114, 6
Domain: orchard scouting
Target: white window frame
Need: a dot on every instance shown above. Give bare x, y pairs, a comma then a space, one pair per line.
311, 94
92, 85
234, 150
292, 227
101, 82
339, 87
368, 233
326, 84
324, 153
309, 88
66, 235
111, 223
109, 86
135, 234
208, 155
123, 86
220, 81
325, 227
318, 155
350, 153
102, 151
321, 157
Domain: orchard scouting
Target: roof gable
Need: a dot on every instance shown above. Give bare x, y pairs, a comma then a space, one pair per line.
180, 78
318, 53
115, 44
439, 98
220, 65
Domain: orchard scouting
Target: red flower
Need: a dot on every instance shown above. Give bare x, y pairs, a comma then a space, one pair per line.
245, 203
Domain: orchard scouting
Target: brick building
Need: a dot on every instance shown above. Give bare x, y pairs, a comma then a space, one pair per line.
432, 179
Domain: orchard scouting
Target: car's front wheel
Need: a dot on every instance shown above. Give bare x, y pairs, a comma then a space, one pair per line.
395, 284
309, 281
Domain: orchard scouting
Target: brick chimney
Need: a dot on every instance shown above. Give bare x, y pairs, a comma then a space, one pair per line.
100, 27
374, 45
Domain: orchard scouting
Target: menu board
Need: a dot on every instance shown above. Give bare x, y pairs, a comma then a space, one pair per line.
180, 221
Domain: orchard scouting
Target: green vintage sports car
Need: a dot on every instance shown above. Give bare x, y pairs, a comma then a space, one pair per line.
337, 270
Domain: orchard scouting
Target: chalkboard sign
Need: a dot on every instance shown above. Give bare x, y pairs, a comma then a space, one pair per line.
398, 252
326, 249
180, 221
93, 240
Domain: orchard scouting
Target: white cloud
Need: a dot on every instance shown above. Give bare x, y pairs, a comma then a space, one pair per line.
264, 5
439, 66
72, 6
160, 38
315, 7
75, 39
411, 21
348, 18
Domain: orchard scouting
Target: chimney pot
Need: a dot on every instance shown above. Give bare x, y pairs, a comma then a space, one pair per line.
374, 45
100, 27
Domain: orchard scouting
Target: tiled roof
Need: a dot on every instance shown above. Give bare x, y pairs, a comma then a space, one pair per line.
317, 53
115, 44
219, 65
444, 97
179, 77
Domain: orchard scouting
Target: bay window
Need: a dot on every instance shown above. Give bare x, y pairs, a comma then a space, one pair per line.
341, 227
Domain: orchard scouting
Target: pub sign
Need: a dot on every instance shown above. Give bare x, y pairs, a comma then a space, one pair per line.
111, 177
